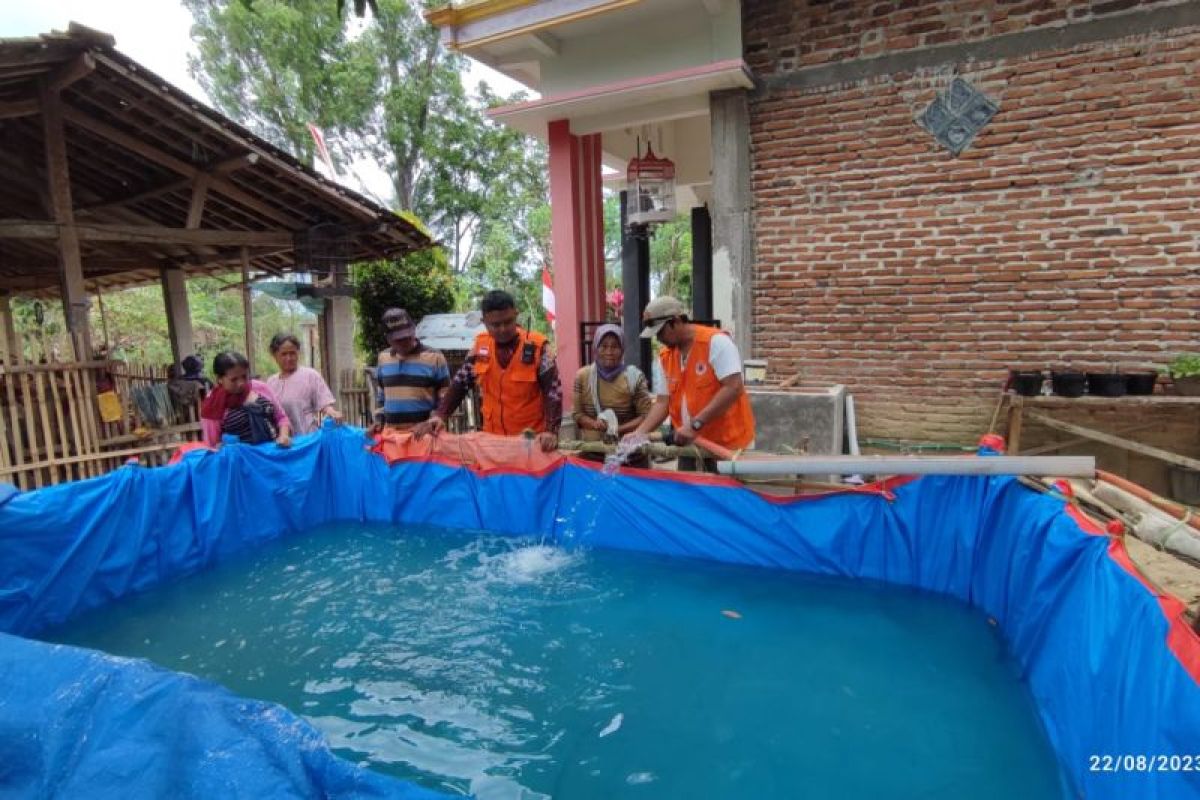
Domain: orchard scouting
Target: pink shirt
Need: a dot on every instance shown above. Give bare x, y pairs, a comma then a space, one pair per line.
212, 427
302, 394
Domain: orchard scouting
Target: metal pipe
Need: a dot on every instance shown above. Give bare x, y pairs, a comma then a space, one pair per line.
1055, 466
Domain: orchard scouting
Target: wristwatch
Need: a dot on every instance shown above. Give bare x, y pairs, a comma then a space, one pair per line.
697, 424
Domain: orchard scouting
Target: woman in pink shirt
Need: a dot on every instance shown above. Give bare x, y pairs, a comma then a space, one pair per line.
242, 406
302, 391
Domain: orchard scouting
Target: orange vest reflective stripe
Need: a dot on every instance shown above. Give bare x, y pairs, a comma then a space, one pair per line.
512, 399
735, 427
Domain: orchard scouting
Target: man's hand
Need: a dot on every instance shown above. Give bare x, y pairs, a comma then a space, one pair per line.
375, 429
432, 426
547, 441
684, 436
335, 415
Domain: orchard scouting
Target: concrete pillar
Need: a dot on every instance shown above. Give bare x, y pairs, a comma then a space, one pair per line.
732, 245
10, 346
577, 242
337, 329
179, 313
635, 283
702, 270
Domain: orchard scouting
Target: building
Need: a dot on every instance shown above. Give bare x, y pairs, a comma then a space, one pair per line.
908, 198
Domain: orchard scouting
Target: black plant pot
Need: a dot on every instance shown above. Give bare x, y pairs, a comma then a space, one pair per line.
1106, 384
1141, 382
1026, 384
1068, 384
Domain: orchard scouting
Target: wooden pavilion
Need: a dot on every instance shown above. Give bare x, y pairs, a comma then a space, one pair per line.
110, 177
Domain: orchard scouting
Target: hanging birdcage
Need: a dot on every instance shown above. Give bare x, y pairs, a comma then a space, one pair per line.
651, 182
324, 251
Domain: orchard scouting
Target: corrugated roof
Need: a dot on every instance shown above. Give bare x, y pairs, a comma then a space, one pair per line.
449, 331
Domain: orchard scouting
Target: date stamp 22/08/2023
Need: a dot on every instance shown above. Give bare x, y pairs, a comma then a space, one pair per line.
1144, 762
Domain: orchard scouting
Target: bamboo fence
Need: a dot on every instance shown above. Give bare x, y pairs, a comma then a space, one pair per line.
51, 429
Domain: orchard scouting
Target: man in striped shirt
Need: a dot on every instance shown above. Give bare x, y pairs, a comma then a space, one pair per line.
412, 377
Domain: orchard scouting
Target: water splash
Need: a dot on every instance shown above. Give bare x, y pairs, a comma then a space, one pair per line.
625, 448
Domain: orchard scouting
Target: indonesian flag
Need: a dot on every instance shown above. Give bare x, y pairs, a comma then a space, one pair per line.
548, 295
322, 150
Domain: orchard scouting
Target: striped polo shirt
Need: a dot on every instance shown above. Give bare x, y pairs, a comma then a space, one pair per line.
410, 385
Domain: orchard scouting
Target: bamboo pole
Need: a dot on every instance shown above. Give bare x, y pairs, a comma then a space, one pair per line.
47, 436
61, 428
94, 457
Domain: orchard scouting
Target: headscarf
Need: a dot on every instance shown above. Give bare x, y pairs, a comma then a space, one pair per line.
601, 332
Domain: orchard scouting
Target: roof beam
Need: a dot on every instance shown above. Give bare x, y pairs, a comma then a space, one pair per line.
199, 195
19, 108
135, 145
77, 68
145, 234
220, 168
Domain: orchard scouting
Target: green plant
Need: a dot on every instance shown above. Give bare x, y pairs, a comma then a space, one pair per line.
1185, 365
419, 283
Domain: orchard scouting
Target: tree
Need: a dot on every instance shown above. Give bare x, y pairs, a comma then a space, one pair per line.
419, 283
277, 65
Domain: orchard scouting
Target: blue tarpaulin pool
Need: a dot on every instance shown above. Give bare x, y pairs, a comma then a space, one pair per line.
1111, 664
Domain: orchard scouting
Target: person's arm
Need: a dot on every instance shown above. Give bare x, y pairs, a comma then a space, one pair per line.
660, 408
731, 387
325, 402
643, 401
552, 405
726, 365
654, 417
212, 431
282, 423
451, 399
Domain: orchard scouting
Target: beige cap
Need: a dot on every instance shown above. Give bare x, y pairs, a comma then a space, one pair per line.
658, 311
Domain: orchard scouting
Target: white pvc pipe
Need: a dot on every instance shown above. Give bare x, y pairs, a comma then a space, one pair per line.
851, 426
1051, 466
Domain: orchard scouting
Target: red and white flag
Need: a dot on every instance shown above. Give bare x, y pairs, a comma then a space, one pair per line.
322, 150
548, 295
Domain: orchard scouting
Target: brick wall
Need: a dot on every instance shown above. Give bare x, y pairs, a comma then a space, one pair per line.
1066, 234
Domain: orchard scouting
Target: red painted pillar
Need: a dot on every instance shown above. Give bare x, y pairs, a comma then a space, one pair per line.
576, 242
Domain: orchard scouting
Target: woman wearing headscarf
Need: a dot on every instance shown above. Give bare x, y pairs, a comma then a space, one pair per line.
301, 391
608, 384
242, 406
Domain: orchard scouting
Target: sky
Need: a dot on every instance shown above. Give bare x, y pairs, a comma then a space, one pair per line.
157, 33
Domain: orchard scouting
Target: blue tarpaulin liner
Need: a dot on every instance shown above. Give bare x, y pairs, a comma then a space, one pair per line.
1111, 664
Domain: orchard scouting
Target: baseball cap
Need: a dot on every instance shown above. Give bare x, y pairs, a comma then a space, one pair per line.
398, 324
658, 311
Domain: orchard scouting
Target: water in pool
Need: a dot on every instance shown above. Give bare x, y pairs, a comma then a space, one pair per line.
474, 663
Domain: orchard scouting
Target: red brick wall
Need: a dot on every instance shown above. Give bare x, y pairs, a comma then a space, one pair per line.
1066, 234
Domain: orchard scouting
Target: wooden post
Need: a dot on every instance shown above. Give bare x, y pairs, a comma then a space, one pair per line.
74, 294
9, 345
1016, 410
103, 317
248, 308
179, 315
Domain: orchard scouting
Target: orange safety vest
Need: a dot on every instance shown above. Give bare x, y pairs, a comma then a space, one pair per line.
512, 398
699, 384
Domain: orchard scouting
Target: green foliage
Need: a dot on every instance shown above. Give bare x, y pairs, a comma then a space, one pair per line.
420, 284
1185, 365
136, 324
671, 259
